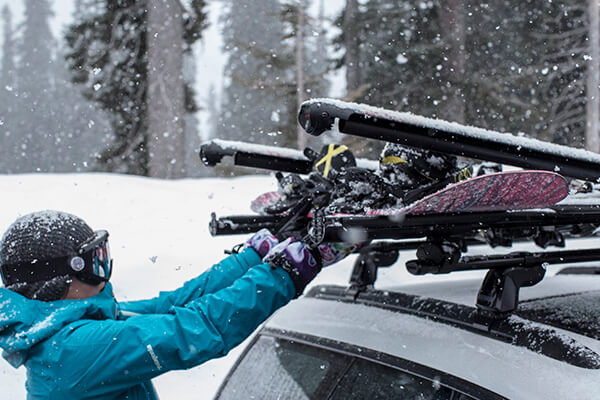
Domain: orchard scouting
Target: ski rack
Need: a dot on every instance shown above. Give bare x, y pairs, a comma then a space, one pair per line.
507, 273
282, 159
320, 115
442, 238
255, 156
499, 225
447, 236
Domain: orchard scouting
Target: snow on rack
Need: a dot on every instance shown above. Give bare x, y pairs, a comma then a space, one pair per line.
453, 127
260, 149
280, 152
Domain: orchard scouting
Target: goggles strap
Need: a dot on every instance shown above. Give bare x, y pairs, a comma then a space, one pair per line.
35, 271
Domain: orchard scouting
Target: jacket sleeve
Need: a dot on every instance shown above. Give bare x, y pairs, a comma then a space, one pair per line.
216, 278
114, 355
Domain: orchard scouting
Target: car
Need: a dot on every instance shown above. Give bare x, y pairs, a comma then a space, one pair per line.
428, 341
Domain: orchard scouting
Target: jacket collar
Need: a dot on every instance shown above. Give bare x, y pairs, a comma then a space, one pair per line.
25, 323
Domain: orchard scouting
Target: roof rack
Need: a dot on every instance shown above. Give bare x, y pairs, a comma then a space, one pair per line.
498, 295
447, 236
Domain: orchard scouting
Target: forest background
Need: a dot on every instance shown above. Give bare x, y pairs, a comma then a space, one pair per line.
116, 87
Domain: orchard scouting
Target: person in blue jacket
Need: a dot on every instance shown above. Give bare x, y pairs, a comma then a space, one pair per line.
59, 318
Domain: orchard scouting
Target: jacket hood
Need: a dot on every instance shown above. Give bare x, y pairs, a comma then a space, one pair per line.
25, 323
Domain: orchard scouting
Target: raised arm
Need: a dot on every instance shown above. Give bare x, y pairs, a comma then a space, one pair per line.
219, 276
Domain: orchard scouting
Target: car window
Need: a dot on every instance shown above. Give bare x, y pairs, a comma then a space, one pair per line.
367, 380
275, 368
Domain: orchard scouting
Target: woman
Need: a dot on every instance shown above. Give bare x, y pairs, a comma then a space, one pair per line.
59, 319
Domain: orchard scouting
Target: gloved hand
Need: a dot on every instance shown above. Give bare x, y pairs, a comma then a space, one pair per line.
303, 263
297, 260
262, 242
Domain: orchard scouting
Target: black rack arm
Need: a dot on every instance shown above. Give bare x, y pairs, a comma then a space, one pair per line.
499, 292
255, 156
501, 261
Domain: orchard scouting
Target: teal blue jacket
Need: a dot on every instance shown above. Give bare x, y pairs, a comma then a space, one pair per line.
99, 349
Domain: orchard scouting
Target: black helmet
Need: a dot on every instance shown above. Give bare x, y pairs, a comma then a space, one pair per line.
41, 251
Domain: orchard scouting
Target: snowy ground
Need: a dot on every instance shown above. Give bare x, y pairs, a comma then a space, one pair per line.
159, 239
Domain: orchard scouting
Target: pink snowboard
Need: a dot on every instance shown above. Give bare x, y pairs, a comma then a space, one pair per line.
264, 200
501, 191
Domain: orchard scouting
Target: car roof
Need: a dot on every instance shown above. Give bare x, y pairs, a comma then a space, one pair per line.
497, 365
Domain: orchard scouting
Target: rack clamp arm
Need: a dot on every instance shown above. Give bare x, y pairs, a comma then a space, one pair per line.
499, 292
370, 259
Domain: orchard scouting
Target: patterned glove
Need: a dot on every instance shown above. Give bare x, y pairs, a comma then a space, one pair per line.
262, 241
297, 260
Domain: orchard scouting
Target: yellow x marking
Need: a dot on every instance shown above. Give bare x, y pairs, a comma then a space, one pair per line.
331, 152
393, 160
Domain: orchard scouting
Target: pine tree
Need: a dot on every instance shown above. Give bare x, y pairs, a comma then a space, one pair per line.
254, 101
82, 130
561, 71
8, 56
508, 66
48, 125
592, 128
310, 64
262, 88
7, 93
108, 57
165, 95
193, 165
32, 122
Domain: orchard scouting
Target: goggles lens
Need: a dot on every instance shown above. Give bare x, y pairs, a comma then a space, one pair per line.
96, 251
102, 261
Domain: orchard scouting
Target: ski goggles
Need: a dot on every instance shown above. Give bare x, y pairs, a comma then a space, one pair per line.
91, 264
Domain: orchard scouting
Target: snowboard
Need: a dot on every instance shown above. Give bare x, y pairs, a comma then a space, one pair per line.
500, 191
321, 115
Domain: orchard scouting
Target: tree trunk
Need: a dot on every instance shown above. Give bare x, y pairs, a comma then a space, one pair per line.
351, 43
452, 21
301, 138
592, 141
165, 97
